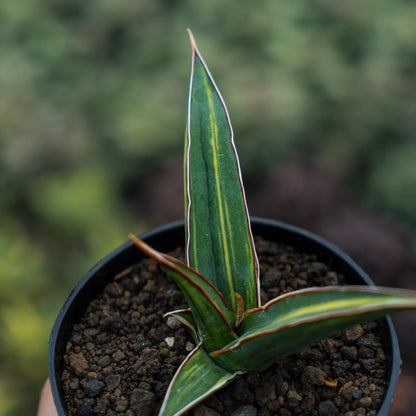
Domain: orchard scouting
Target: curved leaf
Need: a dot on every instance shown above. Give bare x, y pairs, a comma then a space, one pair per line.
197, 378
186, 318
209, 309
298, 319
219, 240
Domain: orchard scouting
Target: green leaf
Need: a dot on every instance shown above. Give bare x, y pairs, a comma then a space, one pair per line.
212, 316
186, 318
197, 378
298, 319
219, 240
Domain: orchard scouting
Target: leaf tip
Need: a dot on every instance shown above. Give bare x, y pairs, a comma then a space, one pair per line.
193, 42
137, 242
145, 248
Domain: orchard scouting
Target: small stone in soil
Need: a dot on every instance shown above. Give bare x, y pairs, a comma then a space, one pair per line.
354, 333
308, 402
111, 320
293, 399
104, 361
365, 402
87, 409
142, 402
122, 405
329, 345
350, 353
356, 393
170, 341
203, 410
241, 392
266, 393
173, 322
313, 375
78, 364
74, 385
118, 356
140, 344
368, 364
101, 407
271, 278
189, 346
112, 381
327, 408
93, 387
340, 368
245, 411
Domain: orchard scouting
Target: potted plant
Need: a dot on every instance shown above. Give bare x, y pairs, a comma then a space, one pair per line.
232, 332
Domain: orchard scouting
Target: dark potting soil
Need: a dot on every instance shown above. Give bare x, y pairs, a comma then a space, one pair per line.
122, 354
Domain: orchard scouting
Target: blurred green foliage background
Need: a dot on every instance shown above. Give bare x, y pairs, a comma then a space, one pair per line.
92, 110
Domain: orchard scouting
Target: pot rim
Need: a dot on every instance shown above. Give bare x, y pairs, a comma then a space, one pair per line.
295, 235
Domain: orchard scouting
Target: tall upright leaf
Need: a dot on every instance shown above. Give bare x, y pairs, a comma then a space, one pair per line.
219, 240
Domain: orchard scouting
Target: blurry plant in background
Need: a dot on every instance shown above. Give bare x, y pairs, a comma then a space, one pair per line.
91, 92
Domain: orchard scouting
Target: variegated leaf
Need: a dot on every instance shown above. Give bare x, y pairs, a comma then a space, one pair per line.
197, 378
212, 316
300, 318
219, 240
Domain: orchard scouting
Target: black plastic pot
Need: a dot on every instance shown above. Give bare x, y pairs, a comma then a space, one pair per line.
170, 236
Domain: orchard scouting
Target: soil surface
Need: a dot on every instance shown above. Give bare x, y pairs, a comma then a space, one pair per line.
123, 353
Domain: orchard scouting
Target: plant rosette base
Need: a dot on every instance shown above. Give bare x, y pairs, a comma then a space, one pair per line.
112, 351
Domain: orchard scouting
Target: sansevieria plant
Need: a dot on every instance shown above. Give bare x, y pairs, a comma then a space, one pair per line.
234, 333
